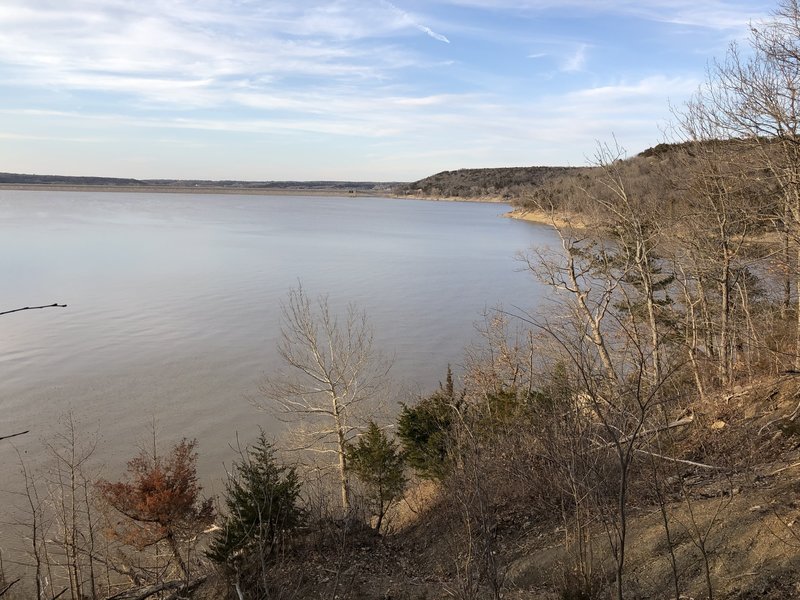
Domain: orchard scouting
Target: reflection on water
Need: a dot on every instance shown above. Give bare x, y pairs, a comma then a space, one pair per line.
174, 301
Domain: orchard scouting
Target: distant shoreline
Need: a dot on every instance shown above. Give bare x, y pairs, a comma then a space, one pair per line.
169, 189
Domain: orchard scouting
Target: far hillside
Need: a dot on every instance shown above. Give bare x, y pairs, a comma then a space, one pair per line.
665, 180
505, 183
21, 179
660, 174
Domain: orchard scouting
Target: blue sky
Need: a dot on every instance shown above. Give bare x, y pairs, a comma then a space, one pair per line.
344, 89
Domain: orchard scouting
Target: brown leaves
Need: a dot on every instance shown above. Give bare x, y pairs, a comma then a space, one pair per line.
160, 497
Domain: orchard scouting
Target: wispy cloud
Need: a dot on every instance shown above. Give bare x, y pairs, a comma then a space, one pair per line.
432, 33
632, 110
406, 16
577, 60
708, 14
151, 46
650, 87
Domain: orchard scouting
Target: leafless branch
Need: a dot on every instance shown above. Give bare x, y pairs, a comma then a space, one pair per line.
53, 305
5, 437
8, 587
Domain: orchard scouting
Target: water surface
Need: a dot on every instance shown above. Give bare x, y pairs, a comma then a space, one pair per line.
174, 302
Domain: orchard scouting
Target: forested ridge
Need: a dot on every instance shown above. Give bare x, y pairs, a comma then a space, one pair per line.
505, 183
635, 436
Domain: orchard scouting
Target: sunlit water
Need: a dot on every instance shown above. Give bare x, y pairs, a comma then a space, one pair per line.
174, 304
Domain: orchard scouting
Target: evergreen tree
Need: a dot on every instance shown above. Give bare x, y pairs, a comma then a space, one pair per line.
425, 428
378, 463
262, 502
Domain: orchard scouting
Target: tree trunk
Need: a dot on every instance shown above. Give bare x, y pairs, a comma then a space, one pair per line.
342, 442
593, 320
176, 552
787, 279
655, 338
724, 335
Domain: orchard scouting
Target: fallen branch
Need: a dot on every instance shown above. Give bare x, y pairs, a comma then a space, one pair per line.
791, 417
781, 470
673, 425
178, 586
680, 460
53, 305
188, 589
627, 438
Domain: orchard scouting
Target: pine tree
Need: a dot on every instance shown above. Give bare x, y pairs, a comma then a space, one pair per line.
262, 503
425, 429
378, 463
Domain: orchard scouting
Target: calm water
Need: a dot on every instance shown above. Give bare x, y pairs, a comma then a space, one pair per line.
174, 302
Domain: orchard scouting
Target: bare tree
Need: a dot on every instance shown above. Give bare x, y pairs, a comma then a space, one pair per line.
753, 97
728, 201
574, 272
633, 222
59, 516
611, 285
332, 371
69, 481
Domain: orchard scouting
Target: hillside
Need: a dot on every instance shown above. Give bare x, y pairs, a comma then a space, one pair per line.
657, 169
473, 184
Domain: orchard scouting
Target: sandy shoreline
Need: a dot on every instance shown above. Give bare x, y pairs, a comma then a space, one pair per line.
539, 216
482, 200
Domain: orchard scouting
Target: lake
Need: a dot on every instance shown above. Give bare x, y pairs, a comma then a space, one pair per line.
174, 303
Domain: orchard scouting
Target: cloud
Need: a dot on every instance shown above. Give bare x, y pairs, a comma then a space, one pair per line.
432, 33
423, 28
484, 123
577, 60
154, 36
657, 86
377, 135
708, 14
183, 55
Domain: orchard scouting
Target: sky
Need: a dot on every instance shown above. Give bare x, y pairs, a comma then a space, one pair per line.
373, 90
